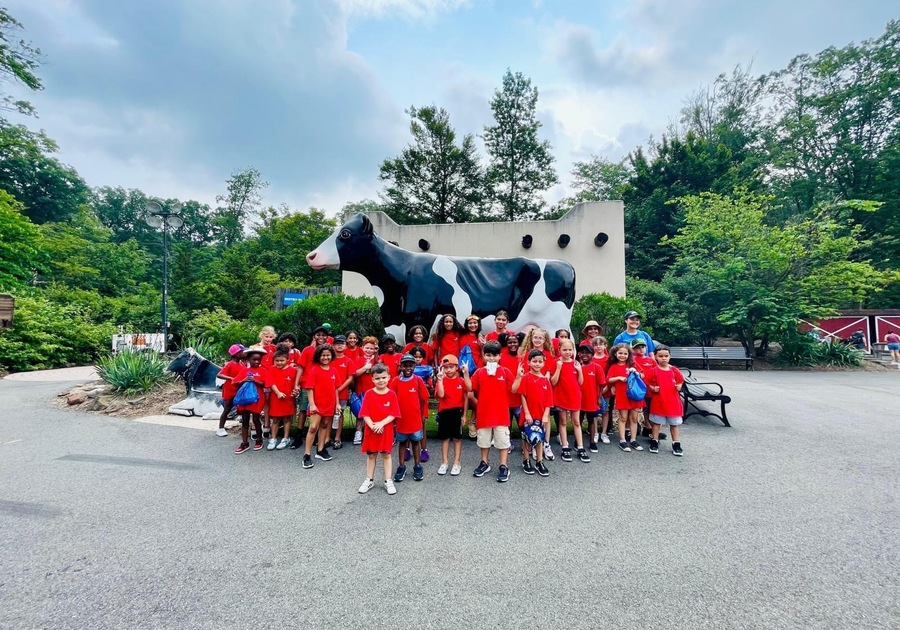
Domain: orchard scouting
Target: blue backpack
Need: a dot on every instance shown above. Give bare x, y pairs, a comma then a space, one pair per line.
248, 394
466, 358
355, 404
635, 387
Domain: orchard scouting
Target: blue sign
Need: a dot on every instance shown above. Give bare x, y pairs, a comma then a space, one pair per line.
290, 298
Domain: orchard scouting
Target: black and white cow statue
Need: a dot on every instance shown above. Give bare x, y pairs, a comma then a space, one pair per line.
417, 288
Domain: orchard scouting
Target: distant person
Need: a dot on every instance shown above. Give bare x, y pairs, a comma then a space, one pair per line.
892, 339
632, 332
858, 340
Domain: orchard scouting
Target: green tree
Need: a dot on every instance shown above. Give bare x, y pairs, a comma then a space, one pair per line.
434, 179
19, 61
521, 166
596, 179
283, 240
21, 250
242, 202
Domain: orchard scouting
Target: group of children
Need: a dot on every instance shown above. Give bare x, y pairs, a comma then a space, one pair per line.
489, 382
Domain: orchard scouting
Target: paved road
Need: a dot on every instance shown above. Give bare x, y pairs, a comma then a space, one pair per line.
787, 520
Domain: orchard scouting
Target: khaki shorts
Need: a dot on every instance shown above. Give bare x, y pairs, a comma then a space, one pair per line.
499, 435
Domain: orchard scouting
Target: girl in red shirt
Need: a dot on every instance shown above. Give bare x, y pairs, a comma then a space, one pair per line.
536, 394
666, 407
501, 320
538, 339
345, 368
363, 375
473, 338
446, 338
601, 360
280, 379
566, 381
418, 337
321, 386
229, 388
629, 410
380, 409
254, 373
353, 350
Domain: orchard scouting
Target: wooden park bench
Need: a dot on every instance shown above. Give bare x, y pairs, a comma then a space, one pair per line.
689, 353
694, 391
729, 353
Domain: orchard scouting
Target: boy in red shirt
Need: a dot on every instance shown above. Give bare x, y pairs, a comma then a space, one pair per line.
379, 410
412, 394
591, 386
452, 393
491, 385
389, 355
666, 407
645, 366
536, 394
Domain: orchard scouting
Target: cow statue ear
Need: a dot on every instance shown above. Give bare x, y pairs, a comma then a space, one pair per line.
367, 225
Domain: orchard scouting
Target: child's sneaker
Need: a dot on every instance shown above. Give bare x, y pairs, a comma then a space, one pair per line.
654, 446
418, 472
624, 446
324, 455
676, 449
583, 456
503, 475
635, 446
283, 444
357, 438
548, 452
604, 438
252, 434
566, 454
454, 472
307, 461
596, 438
442, 470
592, 447
273, 442
221, 432
400, 475
407, 454
527, 468
662, 436
423, 456
389, 486
483, 468
243, 446
541, 469
367, 485
257, 446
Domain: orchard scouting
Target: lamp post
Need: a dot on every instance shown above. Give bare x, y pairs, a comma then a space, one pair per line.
158, 216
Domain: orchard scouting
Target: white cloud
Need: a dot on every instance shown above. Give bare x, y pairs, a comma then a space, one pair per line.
417, 9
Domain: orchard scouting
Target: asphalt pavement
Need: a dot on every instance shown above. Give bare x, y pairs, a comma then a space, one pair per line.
789, 519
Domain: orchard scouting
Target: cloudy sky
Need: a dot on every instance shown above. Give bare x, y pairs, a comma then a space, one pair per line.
171, 96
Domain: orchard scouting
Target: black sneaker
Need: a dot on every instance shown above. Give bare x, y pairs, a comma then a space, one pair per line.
418, 472
503, 475
482, 469
541, 469
296, 444
592, 447
624, 446
662, 436
527, 468
567, 454
400, 475
645, 432
635, 446
676, 449
307, 461
324, 455
266, 434
583, 456
654, 446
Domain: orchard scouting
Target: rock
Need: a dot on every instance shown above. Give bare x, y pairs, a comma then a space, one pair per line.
93, 404
137, 401
115, 405
75, 398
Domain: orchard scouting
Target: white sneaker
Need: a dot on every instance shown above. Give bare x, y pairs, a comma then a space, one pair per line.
442, 470
454, 472
367, 485
283, 444
222, 432
272, 444
548, 452
357, 438
596, 438
389, 486
604, 438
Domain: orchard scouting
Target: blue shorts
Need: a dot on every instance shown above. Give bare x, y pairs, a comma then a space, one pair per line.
413, 437
894, 346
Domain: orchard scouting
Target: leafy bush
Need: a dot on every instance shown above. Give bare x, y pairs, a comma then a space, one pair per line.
343, 312
49, 335
608, 310
800, 349
205, 347
134, 372
664, 310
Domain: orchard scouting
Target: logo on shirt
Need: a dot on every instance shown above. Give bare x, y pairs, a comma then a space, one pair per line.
387, 403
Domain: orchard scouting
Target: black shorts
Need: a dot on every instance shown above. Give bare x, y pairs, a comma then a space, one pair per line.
449, 423
587, 416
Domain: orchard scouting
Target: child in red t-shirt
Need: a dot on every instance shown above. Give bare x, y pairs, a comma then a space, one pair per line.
446, 338
280, 379
363, 378
601, 360
538, 339
473, 338
321, 387
491, 386
254, 373
424, 371
591, 391
566, 381
306, 361
536, 394
345, 367
453, 400
412, 395
666, 407
353, 350
509, 358
644, 365
229, 388
501, 321
380, 408
629, 410
418, 337
389, 355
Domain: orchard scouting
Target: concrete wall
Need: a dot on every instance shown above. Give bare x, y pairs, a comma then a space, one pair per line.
597, 269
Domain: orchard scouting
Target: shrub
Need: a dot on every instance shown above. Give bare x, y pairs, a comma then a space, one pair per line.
205, 347
343, 312
608, 310
134, 372
800, 349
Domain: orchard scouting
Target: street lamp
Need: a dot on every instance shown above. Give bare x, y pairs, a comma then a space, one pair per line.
159, 216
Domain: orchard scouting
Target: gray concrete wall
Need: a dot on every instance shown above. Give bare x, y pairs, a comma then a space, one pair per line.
597, 269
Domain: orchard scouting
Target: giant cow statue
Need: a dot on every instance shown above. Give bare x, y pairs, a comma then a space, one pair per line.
417, 288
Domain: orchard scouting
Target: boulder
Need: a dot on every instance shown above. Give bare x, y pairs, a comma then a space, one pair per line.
76, 397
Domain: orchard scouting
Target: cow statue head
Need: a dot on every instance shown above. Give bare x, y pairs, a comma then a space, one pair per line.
349, 247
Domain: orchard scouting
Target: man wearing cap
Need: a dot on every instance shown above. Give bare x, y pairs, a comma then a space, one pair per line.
631, 332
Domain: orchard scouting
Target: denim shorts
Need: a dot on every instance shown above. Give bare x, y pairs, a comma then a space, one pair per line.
413, 437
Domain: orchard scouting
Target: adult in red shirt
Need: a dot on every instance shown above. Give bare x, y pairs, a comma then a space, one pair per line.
491, 386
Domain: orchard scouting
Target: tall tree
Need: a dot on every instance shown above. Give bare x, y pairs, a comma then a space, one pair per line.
21, 250
241, 203
284, 239
599, 179
433, 180
521, 165
19, 61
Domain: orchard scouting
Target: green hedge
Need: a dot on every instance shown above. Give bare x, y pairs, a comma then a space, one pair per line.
608, 310
343, 312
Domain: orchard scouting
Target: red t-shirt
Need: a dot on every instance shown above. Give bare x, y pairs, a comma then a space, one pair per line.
412, 396
567, 391
549, 362
492, 394
645, 365
472, 341
511, 363
353, 353
392, 361
323, 381
283, 379
344, 368
429, 351
454, 393
306, 362
377, 407
591, 385
364, 380
494, 335
232, 369
622, 399
537, 393
259, 374
449, 344
601, 362
667, 402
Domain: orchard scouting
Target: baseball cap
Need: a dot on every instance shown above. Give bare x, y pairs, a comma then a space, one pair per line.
638, 342
321, 329
340, 339
586, 347
450, 358
236, 349
407, 358
631, 314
